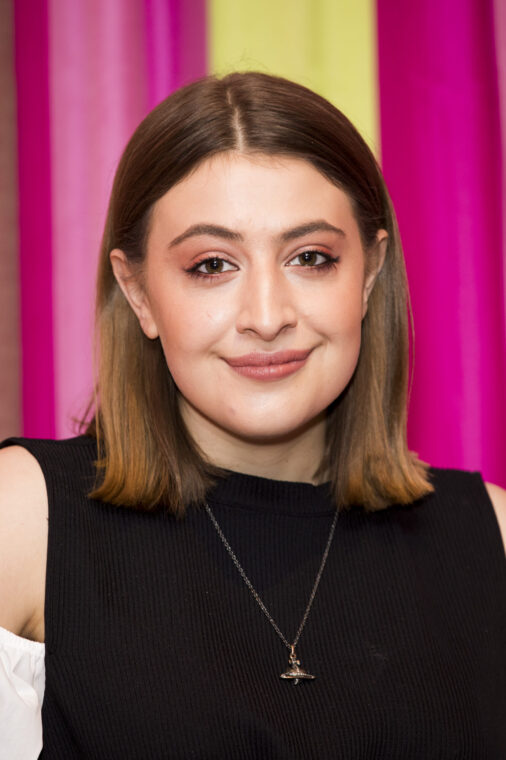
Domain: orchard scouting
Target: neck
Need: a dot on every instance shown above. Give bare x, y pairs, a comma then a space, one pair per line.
295, 457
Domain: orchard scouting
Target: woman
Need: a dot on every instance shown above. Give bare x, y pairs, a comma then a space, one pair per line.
252, 378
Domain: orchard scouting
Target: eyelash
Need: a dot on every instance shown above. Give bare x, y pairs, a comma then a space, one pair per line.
330, 262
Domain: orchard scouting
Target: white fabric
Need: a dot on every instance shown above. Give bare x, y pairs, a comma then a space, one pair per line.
22, 681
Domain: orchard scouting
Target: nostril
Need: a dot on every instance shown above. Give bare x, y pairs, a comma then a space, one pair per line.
266, 325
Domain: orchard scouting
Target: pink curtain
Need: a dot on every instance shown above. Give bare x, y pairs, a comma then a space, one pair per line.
87, 73
443, 159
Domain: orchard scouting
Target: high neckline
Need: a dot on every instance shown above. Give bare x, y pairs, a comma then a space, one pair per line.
275, 496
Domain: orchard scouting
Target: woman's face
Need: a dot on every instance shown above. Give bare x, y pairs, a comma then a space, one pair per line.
254, 281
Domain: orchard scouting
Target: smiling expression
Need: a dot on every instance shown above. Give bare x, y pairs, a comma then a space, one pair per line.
254, 281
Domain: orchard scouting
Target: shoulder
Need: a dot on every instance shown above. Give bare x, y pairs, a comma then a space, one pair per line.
23, 540
462, 497
498, 498
28, 466
22, 485
61, 462
30, 469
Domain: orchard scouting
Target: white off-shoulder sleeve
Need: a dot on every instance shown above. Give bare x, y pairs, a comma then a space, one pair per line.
22, 680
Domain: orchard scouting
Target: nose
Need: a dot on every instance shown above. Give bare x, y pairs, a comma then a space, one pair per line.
267, 305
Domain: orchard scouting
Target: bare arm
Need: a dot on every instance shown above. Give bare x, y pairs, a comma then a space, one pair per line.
23, 543
498, 499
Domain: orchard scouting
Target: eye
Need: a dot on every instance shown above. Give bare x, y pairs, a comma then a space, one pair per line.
312, 259
213, 265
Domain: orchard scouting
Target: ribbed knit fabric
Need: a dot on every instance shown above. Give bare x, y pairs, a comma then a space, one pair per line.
155, 647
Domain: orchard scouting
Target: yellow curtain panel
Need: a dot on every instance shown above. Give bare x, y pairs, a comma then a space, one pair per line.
327, 45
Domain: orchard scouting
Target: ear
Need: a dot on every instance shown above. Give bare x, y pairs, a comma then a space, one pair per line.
376, 259
134, 292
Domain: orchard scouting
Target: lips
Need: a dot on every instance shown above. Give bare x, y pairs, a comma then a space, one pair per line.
269, 366
265, 360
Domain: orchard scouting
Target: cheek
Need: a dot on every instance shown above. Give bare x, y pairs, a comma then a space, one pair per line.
189, 329
339, 313
339, 321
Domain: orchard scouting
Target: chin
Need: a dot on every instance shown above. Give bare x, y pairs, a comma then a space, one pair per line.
271, 431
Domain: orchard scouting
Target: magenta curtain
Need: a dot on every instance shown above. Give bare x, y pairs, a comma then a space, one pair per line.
443, 159
35, 227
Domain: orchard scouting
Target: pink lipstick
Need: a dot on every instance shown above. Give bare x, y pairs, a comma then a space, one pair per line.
272, 366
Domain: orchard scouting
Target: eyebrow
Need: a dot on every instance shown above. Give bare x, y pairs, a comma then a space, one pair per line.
215, 230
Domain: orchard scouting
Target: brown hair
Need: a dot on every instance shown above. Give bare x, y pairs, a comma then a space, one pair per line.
146, 455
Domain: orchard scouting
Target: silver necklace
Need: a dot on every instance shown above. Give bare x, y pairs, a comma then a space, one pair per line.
294, 671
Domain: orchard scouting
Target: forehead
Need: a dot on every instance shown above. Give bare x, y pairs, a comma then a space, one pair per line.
252, 191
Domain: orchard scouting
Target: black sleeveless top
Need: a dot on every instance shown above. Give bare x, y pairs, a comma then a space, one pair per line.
155, 648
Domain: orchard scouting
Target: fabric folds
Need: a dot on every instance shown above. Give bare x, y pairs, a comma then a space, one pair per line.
22, 680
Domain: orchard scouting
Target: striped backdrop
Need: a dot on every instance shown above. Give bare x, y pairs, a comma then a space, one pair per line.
424, 81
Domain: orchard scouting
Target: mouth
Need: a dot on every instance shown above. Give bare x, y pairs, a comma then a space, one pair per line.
269, 366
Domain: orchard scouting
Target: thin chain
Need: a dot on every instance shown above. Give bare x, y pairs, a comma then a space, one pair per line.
255, 593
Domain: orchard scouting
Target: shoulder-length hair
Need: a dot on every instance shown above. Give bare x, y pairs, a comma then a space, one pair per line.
147, 458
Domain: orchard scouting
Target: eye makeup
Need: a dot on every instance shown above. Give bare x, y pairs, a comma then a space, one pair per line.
312, 260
